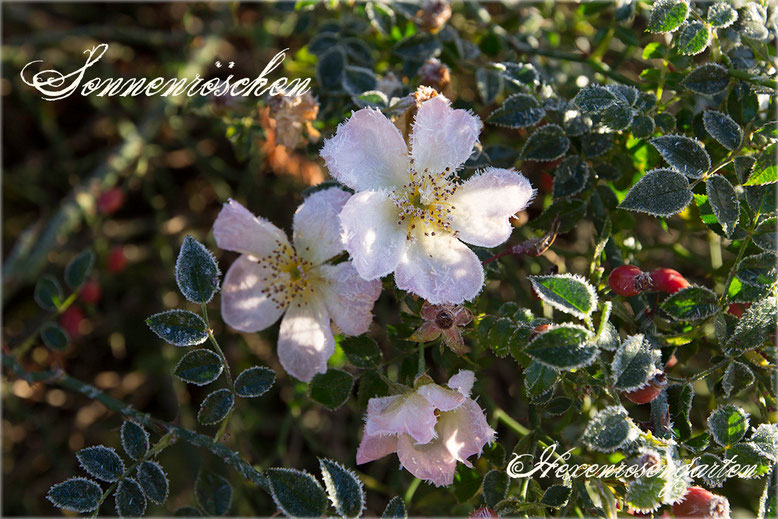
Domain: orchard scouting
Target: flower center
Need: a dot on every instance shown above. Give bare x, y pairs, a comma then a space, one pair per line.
423, 202
288, 276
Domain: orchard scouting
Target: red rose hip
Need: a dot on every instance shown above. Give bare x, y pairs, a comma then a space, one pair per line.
117, 261
629, 280
646, 394
110, 200
668, 280
90, 292
699, 502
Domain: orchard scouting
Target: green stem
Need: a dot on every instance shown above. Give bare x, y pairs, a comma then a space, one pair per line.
422, 363
411, 490
30, 340
741, 252
750, 78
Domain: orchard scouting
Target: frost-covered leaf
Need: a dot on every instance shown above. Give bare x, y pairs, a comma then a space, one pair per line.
683, 154
296, 493
518, 111
765, 169
547, 143
78, 495
724, 203
634, 363
130, 501
539, 378
187, 511
215, 407
78, 269
707, 80
213, 493
179, 327
737, 377
333, 388
609, 430
418, 47
596, 144
135, 439
54, 337
758, 270
254, 381
642, 126
489, 83
518, 74
197, 273
594, 98
563, 347
343, 487
768, 501
495, 487
357, 80
361, 351
752, 24
616, 117
628, 95
644, 495
752, 463
609, 339
153, 481
199, 367
371, 98
667, 15
665, 121
728, 424
765, 439
661, 192
765, 237
693, 38
754, 327
762, 199
721, 15
556, 496
691, 304
48, 292
395, 509
723, 128
101, 462
331, 68
566, 292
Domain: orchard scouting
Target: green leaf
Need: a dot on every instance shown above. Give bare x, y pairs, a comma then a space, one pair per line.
518, 74
130, 501
667, 15
418, 47
331, 68
344, 488
570, 177
768, 501
179, 327
213, 493
547, 143
724, 203
609, 430
215, 406
558, 405
642, 126
518, 111
371, 98
634, 363
332, 389
381, 17
48, 292
78, 495
54, 337
495, 487
567, 293
616, 117
489, 83
78, 269
645, 494
609, 339
556, 496
500, 334
101, 462
713, 476
665, 121
539, 378
594, 98
683, 154
395, 509
728, 424
563, 347
765, 439
765, 170
187, 511
197, 273
737, 378
357, 80
752, 24
296, 493
371, 385
693, 38
626, 94
707, 80
254, 381
362, 351
762, 199
749, 457
723, 128
754, 328
135, 439
153, 481
691, 304
765, 236
199, 367
758, 270
467, 481
661, 192
721, 15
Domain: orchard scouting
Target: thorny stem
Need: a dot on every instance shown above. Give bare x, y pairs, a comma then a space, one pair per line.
163, 443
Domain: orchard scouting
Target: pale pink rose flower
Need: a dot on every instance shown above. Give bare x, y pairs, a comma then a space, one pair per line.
431, 428
410, 210
274, 277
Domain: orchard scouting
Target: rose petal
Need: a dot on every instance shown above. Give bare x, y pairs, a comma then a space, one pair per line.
371, 234
409, 413
367, 152
305, 340
442, 137
484, 204
374, 447
348, 297
317, 235
464, 431
244, 304
441, 269
238, 230
431, 462
462, 382
443, 399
